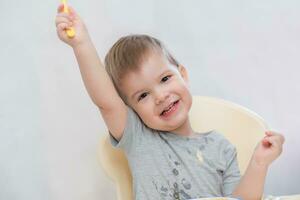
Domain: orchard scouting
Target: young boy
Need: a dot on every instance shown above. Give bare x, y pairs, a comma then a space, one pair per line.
144, 98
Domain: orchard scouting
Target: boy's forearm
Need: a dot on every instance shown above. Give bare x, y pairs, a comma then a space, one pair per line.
251, 186
95, 78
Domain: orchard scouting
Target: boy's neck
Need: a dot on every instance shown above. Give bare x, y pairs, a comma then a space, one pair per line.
185, 129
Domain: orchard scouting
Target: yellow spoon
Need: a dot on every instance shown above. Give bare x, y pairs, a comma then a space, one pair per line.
70, 31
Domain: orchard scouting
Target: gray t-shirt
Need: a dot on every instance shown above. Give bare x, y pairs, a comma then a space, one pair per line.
168, 166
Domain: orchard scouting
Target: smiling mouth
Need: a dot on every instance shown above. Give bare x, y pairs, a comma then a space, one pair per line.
167, 110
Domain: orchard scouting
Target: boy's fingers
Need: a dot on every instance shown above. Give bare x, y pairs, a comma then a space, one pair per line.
66, 15
269, 133
283, 139
71, 14
62, 27
72, 11
60, 8
275, 142
265, 142
63, 18
279, 138
59, 20
276, 135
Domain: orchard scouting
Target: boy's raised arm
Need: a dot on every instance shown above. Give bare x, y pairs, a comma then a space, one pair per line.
95, 78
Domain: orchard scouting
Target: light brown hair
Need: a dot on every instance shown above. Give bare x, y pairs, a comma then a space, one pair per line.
128, 53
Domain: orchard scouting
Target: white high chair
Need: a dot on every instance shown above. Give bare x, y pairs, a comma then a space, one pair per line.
241, 127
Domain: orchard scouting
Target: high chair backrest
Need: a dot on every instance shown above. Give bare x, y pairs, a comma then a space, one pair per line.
241, 127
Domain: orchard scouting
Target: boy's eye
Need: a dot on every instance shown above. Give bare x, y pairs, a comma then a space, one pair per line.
143, 95
164, 79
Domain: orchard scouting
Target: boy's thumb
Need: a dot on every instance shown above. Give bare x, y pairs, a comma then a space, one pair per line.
266, 141
60, 8
72, 11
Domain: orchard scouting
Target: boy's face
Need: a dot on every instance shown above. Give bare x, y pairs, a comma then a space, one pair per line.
159, 93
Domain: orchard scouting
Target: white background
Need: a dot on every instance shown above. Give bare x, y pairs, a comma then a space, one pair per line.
243, 51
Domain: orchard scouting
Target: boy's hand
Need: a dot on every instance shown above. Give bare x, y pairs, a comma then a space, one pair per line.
268, 149
71, 19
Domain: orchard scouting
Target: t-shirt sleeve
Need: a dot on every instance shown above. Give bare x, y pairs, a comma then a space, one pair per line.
132, 133
231, 175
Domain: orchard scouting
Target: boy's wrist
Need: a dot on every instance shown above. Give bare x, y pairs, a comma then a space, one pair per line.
261, 165
82, 44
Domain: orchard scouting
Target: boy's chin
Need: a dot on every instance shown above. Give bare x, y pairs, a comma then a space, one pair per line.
175, 126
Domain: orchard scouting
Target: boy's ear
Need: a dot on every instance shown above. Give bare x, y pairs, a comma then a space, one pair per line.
182, 70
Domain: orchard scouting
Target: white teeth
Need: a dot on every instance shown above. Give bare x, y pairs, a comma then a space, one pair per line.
170, 107
166, 110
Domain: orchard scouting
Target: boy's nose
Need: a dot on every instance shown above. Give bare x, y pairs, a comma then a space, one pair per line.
161, 97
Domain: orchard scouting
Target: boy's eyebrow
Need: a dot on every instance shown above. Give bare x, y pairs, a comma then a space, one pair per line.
166, 71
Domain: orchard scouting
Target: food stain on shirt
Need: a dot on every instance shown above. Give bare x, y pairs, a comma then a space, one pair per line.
199, 157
